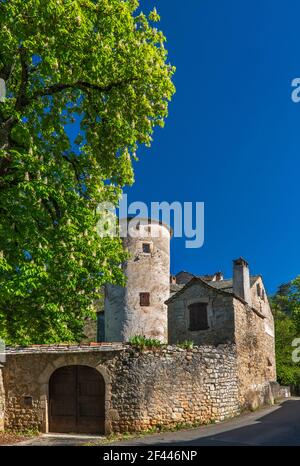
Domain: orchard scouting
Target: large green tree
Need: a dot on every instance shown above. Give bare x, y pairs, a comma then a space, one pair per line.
286, 305
98, 68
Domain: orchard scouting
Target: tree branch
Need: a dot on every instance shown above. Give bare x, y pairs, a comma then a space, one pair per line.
73, 163
22, 99
50, 212
83, 85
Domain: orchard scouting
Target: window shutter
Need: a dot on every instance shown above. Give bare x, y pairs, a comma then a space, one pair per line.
198, 316
144, 299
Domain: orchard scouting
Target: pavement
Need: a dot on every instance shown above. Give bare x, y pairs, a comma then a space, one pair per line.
58, 440
278, 425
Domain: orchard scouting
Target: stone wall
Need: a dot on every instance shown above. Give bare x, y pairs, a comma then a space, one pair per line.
143, 389
175, 386
146, 272
255, 355
220, 316
231, 319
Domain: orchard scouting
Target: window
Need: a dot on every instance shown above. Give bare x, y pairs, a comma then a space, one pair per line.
198, 316
144, 299
263, 295
146, 248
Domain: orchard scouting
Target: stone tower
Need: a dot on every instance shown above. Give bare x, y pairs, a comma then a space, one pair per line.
139, 308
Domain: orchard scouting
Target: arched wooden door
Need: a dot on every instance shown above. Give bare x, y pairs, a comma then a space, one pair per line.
77, 400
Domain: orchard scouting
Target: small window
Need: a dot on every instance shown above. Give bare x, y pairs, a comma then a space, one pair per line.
146, 248
263, 295
144, 299
28, 401
198, 316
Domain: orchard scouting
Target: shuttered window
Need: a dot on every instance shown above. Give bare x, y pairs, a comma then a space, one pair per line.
198, 316
144, 299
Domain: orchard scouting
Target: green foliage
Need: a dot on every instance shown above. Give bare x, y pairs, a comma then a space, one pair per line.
142, 342
285, 305
102, 65
187, 344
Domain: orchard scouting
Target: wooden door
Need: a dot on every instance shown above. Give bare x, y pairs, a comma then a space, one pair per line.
77, 396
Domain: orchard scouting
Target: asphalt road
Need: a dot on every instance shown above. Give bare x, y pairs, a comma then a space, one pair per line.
278, 425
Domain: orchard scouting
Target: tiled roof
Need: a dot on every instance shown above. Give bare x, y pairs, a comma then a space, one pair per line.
224, 286
227, 285
174, 287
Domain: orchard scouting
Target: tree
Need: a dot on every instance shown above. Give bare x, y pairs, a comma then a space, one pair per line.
285, 304
97, 67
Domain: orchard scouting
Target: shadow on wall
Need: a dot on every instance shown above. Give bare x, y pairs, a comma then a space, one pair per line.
279, 428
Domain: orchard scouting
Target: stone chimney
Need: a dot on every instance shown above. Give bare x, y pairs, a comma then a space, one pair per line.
173, 279
219, 276
241, 280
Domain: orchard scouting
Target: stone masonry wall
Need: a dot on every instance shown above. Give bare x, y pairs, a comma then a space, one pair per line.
143, 389
255, 355
174, 386
145, 273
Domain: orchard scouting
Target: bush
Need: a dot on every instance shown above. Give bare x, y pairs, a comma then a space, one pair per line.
140, 341
187, 344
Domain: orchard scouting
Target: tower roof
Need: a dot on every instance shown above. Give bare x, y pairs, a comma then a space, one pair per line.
146, 221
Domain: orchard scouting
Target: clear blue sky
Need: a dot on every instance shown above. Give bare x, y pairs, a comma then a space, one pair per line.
232, 138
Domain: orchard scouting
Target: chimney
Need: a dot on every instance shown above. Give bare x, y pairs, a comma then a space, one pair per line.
219, 276
172, 279
241, 280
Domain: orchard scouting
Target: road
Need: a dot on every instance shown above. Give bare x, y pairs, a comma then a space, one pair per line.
276, 425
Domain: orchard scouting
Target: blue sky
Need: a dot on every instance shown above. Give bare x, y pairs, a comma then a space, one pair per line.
232, 139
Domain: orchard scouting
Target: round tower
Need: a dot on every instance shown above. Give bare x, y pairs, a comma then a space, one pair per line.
139, 308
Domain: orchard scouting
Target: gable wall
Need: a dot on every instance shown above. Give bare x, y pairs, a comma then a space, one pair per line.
255, 355
220, 316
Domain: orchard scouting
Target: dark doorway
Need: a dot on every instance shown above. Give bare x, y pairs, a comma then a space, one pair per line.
76, 400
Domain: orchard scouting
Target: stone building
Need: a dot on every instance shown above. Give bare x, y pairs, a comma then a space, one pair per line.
110, 386
209, 310
206, 309
139, 308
